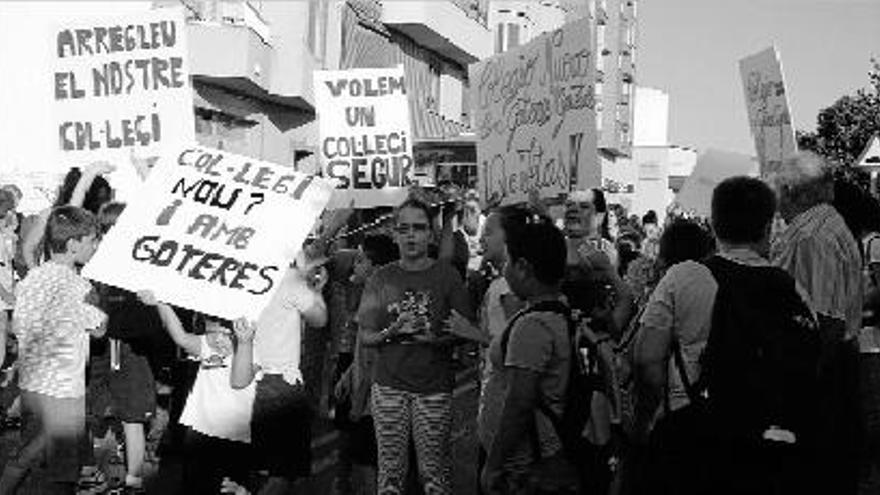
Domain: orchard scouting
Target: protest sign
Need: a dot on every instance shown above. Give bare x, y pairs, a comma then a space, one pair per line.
713, 166
535, 117
121, 87
366, 144
211, 231
768, 109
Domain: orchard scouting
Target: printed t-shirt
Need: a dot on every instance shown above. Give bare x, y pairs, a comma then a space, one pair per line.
52, 323
213, 407
420, 367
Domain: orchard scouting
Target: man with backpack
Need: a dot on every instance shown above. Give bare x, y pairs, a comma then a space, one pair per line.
532, 371
747, 425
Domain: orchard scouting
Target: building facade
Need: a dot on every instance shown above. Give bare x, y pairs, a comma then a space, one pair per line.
252, 63
657, 170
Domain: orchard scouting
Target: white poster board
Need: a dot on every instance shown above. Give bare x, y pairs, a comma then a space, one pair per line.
713, 166
366, 143
120, 87
534, 110
768, 109
211, 231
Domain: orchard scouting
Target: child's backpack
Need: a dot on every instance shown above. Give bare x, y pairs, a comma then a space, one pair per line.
583, 381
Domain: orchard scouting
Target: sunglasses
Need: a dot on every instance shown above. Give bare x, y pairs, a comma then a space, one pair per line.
403, 228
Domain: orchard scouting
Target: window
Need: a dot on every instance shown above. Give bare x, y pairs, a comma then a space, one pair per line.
512, 36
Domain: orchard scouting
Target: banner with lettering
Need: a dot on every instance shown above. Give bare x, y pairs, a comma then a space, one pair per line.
211, 231
366, 144
768, 109
535, 117
121, 87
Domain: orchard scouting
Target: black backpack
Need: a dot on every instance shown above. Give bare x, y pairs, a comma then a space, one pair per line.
760, 364
582, 383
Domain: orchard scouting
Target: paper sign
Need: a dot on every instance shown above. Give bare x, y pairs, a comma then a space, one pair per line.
120, 87
713, 166
535, 117
211, 231
871, 156
366, 144
768, 109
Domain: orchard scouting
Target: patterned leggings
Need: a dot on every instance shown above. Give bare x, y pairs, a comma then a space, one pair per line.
396, 413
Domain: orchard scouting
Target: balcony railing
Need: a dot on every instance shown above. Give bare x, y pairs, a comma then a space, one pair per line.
229, 12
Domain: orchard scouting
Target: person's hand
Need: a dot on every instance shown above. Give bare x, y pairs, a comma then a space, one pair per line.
142, 165
147, 297
100, 167
229, 486
460, 326
405, 324
244, 329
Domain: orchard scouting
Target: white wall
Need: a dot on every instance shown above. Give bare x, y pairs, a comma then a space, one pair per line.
451, 97
651, 117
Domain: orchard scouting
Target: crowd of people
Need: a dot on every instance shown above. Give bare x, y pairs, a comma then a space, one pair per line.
616, 354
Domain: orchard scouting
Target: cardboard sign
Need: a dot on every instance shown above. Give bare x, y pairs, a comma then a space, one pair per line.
366, 143
211, 231
713, 166
121, 87
768, 109
535, 117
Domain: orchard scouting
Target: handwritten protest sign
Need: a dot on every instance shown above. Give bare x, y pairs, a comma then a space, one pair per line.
535, 117
211, 231
366, 144
713, 166
768, 109
121, 87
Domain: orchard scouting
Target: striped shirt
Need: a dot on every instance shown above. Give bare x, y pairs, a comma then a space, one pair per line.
51, 321
822, 255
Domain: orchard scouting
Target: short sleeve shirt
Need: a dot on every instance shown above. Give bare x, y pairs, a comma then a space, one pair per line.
432, 293
52, 321
681, 305
213, 407
538, 342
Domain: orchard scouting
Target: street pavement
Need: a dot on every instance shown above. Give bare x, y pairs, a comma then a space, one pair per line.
324, 445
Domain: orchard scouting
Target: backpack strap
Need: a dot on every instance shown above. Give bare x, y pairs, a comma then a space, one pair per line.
552, 307
541, 307
691, 389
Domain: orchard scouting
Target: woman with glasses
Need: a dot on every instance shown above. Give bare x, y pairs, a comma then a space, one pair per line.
404, 310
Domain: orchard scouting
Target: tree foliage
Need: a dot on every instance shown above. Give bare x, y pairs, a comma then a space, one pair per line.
844, 129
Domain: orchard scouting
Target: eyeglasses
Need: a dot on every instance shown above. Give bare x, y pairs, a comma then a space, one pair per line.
404, 228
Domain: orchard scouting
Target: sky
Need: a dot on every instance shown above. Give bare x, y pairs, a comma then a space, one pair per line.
691, 49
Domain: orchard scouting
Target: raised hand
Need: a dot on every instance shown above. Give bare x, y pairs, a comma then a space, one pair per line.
244, 329
147, 297
100, 167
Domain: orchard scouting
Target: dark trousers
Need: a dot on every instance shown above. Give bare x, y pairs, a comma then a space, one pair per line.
209, 459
